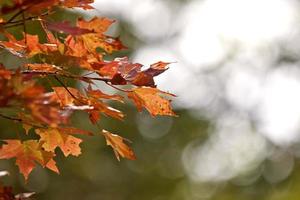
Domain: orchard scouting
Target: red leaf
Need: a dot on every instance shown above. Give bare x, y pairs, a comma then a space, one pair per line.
66, 27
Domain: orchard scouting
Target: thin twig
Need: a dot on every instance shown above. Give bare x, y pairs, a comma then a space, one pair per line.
15, 15
86, 78
24, 28
11, 118
13, 25
120, 89
37, 18
82, 78
66, 88
20, 120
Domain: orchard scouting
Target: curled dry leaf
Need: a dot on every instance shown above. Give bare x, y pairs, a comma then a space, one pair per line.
119, 146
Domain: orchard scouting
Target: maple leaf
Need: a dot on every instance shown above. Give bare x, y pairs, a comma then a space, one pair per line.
98, 94
49, 112
31, 6
73, 99
96, 24
67, 97
33, 46
119, 146
84, 4
38, 6
66, 27
29, 47
53, 138
94, 40
97, 38
27, 154
122, 72
157, 68
151, 99
13, 46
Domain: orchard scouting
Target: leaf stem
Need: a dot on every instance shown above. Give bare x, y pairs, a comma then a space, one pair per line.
120, 89
10, 118
20, 120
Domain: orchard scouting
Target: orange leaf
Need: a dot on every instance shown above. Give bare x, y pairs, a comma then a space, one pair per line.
65, 98
118, 145
84, 4
95, 40
151, 99
26, 154
96, 24
53, 138
98, 94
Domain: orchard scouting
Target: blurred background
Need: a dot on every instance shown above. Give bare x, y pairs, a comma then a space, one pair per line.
237, 77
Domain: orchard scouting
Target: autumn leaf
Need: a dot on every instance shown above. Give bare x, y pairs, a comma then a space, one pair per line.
38, 6
14, 46
79, 54
66, 27
53, 138
84, 4
94, 40
42, 67
96, 24
73, 99
67, 97
119, 146
97, 39
27, 154
98, 94
152, 100
157, 68
121, 71
29, 47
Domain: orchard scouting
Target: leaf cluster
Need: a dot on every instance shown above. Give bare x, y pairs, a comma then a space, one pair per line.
67, 48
